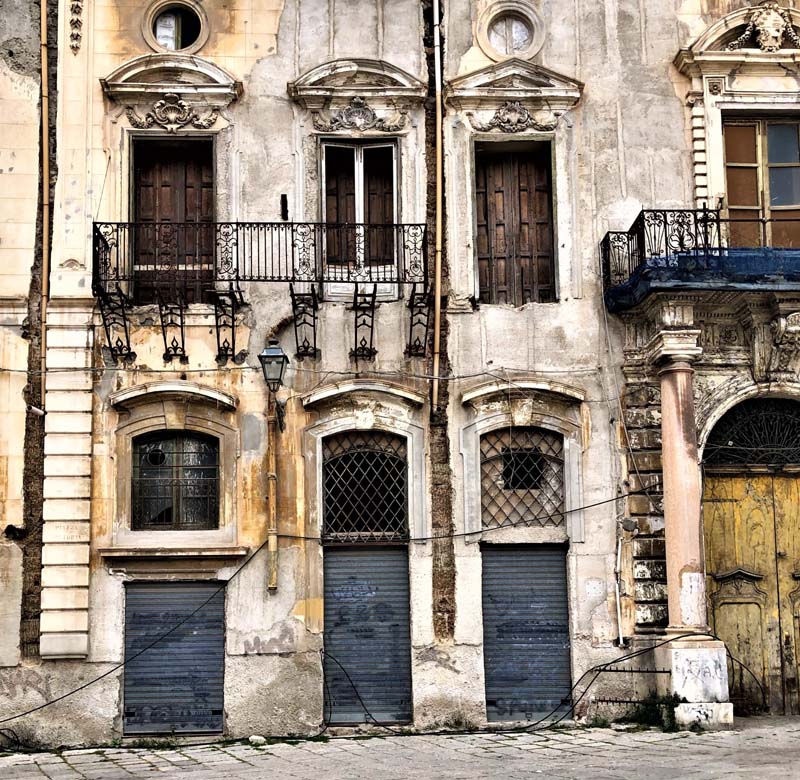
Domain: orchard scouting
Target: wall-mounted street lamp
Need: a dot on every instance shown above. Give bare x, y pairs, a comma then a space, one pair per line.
273, 363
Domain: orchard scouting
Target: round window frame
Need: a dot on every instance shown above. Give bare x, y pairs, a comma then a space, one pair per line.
160, 6
517, 8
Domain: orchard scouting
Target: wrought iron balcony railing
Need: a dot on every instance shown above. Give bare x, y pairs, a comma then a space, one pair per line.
148, 261
698, 248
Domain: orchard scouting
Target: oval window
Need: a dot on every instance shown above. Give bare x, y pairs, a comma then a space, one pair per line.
176, 27
510, 34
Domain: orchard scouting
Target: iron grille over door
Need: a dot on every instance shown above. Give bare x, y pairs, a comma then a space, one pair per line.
177, 684
526, 653
522, 477
365, 487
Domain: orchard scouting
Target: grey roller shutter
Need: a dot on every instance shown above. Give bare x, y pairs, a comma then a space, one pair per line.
367, 632
176, 685
525, 630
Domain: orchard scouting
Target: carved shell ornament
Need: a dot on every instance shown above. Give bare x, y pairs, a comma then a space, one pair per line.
513, 117
769, 23
358, 116
172, 113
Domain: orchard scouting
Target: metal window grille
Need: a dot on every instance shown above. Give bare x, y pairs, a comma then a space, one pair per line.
365, 487
175, 482
522, 478
761, 431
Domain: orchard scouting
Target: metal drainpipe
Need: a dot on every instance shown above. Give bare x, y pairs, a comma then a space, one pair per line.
437, 285
272, 500
45, 98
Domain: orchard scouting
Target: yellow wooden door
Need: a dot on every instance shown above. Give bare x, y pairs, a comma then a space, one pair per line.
742, 582
786, 492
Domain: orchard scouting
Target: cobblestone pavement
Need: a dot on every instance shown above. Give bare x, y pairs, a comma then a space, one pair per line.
758, 748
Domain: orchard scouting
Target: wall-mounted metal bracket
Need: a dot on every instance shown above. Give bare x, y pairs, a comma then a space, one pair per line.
419, 306
226, 304
114, 307
172, 314
364, 305
304, 311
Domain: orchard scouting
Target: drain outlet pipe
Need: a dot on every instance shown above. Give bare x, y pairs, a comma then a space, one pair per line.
45, 172
437, 282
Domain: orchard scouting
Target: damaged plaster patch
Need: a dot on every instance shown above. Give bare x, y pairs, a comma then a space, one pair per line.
692, 598
435, 655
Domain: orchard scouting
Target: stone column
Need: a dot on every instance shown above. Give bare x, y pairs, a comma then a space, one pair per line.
681, 475
698, 665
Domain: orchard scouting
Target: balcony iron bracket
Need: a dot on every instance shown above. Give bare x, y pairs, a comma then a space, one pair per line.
226, 304
305, 307
364, 305
114, 307
419, 306
172, 315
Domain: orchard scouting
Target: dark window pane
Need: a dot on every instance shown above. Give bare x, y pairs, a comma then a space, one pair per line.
742, 187
175, 482
740, 143
782, 146
786, 229
784, 186
523, 469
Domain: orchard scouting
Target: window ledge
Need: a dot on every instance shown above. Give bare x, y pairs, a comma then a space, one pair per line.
173, 552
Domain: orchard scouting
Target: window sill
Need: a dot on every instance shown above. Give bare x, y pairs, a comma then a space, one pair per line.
172, 552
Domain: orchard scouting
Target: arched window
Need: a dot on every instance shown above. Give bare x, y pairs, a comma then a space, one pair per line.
175, 482
365, 487
522, 477
759, 432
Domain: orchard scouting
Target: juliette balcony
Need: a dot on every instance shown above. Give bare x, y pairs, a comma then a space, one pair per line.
691, 249
152, 262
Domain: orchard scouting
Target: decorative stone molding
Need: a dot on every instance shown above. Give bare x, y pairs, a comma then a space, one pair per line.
339, 82
146, 79
333, 393
75, 25
785, 358
358, 116
513, 117
520, 88
190, 391
172, 114
768, 24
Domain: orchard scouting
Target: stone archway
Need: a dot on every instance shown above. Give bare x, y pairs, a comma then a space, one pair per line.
751, 521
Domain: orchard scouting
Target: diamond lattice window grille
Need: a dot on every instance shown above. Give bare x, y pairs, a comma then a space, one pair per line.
758, 432
365, 487
522, 477
175, 482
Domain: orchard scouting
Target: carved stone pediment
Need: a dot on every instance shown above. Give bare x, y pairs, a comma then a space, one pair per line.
172, 114
360, 117
512, 81
147, 79
334, 85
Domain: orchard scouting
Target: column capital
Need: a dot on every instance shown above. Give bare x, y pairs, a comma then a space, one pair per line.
671, 346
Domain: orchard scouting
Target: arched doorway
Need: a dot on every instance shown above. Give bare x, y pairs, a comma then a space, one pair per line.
751, 516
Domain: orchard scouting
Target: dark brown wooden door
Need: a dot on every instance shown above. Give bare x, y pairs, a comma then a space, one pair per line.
173, 236
515, 226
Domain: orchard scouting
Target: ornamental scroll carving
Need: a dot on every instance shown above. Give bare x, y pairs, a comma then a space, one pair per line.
783, 362
769, 24
75, 25
513, 117
172, 113
358, 116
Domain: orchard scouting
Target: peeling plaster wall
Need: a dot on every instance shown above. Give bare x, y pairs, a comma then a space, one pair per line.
625, 144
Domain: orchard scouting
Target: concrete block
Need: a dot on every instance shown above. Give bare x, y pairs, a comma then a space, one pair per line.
68, 422
65, 598
68, 401
67, 465
699, 671
66, 509
70, 380
66, 531
64, 337
65, 576
67, 444
68, 358
67, 487
63, 554
64, 645
709, 717
55, 621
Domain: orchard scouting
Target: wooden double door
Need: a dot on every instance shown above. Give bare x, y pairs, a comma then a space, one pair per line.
752, 539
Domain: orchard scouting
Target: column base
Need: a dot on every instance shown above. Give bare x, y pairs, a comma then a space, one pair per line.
699, 678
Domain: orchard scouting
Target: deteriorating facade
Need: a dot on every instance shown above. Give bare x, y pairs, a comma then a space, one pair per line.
505, 448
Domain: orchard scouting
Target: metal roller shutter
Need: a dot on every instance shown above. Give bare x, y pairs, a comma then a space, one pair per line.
176, 685
367, 632
525, 630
